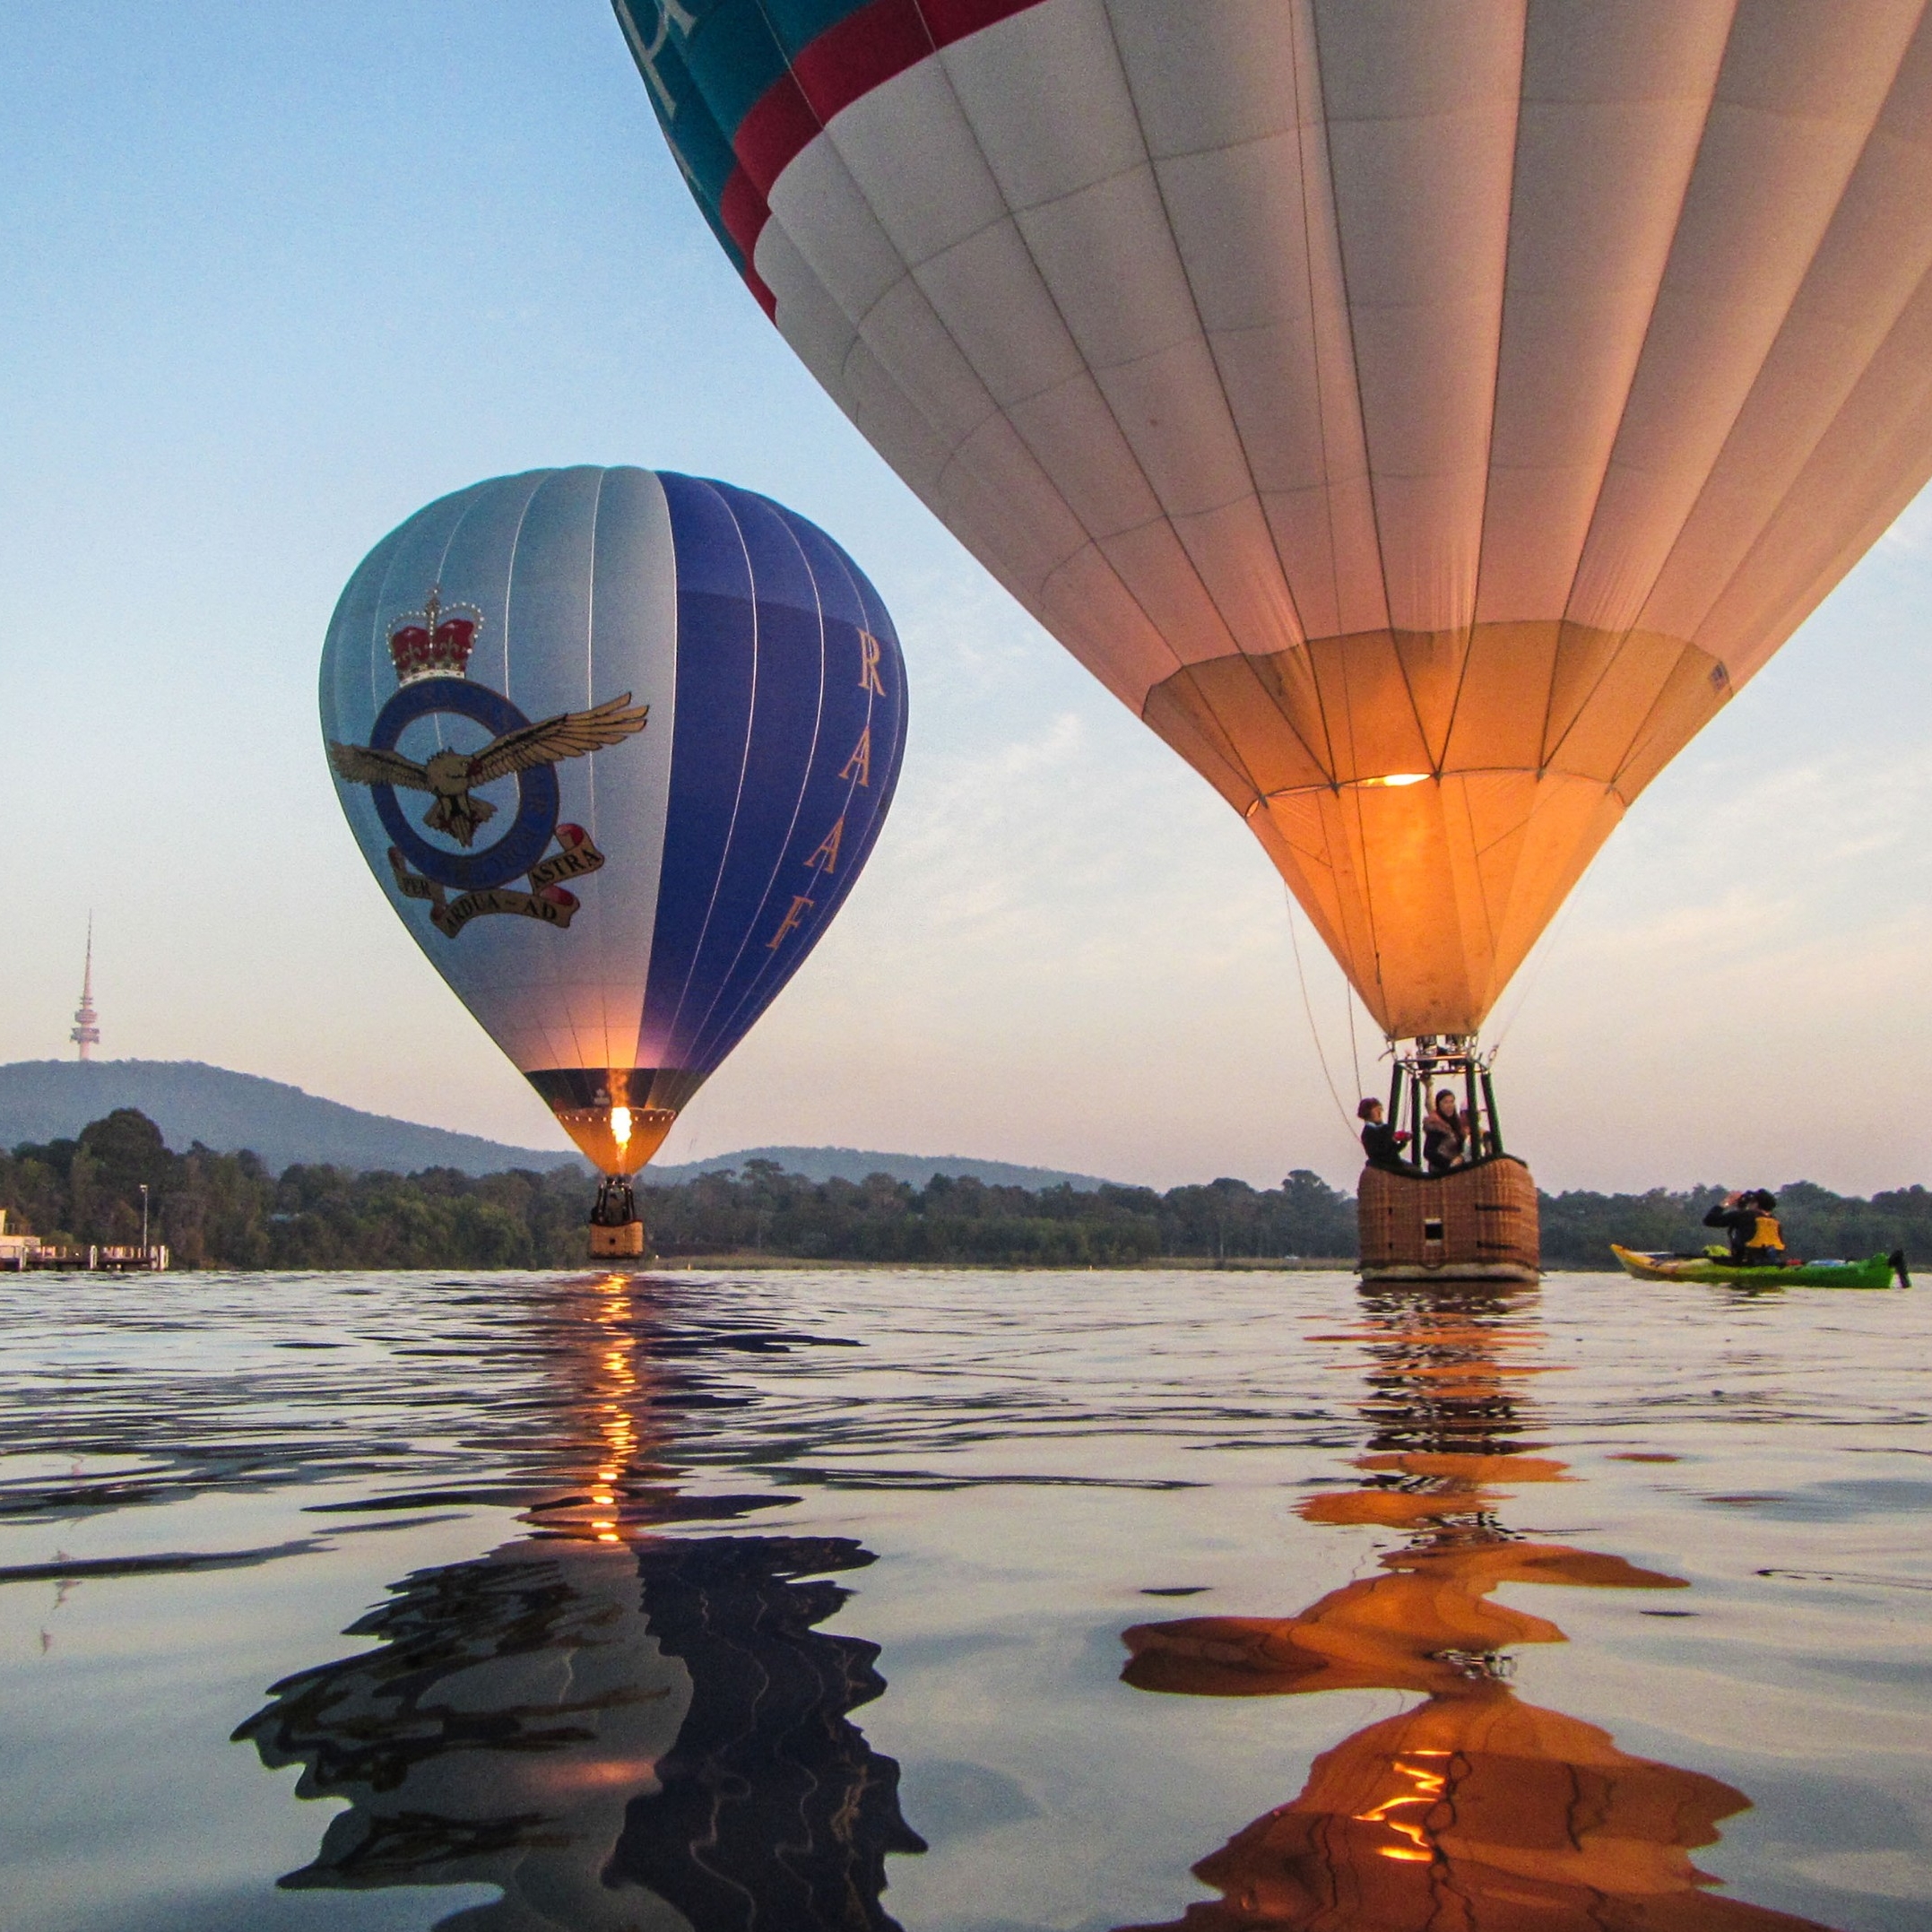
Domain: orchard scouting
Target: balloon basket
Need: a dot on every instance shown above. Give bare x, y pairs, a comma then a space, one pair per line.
622, 1242
616, 1229
1477, 1223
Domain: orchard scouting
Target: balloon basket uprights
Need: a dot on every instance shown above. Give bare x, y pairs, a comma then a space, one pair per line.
616, 1232
1475, 1221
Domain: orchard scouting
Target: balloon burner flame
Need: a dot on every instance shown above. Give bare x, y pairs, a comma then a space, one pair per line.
620, 1127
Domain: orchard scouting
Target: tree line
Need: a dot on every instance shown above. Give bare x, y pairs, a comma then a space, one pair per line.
227, 1210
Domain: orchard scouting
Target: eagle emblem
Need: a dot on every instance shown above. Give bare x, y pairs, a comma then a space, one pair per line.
452, 778
431, 650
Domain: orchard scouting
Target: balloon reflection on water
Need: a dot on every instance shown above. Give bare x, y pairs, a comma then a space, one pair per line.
1474, 1811
622, 1729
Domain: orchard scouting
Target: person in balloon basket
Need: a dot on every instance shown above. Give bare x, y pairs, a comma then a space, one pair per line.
1445, 1134
1756, 1241
1382, 1143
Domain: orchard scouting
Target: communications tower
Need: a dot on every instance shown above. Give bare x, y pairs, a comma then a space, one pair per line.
86, 1033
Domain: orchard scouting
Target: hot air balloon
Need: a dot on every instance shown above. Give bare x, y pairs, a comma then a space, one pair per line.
1423, 413
616, 743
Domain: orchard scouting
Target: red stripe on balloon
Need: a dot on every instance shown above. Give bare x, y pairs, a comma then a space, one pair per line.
881, 41
780, 125
863, 51
743, 212
954, 20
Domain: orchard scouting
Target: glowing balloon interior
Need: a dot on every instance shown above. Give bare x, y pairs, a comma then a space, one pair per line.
616, 744
1423, 413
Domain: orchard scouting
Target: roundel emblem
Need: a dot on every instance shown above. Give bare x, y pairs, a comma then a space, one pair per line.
537, 795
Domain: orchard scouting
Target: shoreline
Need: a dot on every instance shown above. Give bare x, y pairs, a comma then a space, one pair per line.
1176, 1263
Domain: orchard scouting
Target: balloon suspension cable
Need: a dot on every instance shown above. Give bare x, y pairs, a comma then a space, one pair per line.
1354, 1056
1543, 954
1314, 1032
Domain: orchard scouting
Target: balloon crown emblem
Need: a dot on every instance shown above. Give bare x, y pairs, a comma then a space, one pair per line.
436, 641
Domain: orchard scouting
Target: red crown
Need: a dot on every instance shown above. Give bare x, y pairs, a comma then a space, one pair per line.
436, 641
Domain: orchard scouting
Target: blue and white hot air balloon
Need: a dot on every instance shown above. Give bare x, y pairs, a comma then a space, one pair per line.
616, 743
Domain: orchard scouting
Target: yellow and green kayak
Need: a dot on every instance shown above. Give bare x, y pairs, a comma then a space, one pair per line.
1874, 1272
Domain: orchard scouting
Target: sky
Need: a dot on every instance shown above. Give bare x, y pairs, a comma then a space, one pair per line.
277, 276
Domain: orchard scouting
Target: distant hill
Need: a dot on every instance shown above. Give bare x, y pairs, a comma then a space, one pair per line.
854, 1163
48, 1099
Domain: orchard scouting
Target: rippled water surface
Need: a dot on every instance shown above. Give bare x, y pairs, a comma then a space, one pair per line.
953, 1601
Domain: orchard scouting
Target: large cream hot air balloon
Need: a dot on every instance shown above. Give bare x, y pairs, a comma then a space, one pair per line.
1423, 413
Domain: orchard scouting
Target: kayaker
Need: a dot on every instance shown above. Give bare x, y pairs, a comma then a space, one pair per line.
1382, 1143
1445, 1134
1756, 1240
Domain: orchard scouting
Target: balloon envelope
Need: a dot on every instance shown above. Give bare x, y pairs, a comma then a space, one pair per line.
1423, 413
616, 744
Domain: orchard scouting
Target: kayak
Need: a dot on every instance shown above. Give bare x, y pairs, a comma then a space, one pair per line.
1876, 1272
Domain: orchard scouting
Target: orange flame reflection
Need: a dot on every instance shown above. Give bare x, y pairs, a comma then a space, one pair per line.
1474, 1812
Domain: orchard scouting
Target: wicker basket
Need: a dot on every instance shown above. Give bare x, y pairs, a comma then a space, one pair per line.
1473, 1224
623, 1242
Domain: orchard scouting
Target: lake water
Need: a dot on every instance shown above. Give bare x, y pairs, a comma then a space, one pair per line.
958, 1600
